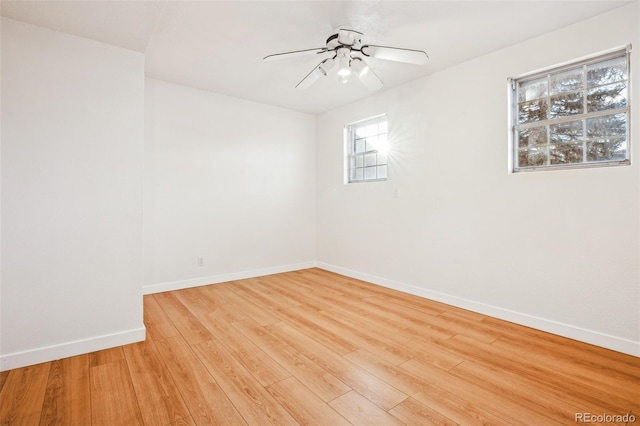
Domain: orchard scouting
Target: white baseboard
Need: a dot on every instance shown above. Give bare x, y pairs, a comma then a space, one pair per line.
566, 330
64, 350
216, 279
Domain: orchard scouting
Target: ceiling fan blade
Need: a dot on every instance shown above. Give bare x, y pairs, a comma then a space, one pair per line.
410, 56
319, 71
295, 53
370, 80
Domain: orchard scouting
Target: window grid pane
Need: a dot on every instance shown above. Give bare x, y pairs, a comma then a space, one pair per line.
367, 150
574, 116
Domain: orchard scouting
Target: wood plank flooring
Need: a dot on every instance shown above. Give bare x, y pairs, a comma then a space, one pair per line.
316, 348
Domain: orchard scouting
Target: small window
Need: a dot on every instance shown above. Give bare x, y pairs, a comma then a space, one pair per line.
367, 150
573, 116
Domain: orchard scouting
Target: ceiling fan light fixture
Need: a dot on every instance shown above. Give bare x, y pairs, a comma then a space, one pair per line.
344, 69
366, 74
325, 66
359, 67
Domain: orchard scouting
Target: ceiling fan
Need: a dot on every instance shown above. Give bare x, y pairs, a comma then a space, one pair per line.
346, 47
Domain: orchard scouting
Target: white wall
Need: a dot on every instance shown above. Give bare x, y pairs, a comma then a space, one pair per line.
228, 180
72, 154
255, 189
1, 25
558, 250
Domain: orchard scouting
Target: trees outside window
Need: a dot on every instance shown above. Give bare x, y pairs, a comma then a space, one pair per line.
573, 116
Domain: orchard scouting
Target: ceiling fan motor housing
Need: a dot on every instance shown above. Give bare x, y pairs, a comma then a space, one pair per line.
344, 37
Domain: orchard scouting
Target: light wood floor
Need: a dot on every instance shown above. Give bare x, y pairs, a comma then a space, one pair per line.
316, 348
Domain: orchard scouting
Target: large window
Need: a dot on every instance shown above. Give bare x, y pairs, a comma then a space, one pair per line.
573, 116
367, 146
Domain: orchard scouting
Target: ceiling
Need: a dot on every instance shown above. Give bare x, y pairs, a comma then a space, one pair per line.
219, 45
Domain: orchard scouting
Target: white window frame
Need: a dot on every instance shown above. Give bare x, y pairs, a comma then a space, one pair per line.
515, 127
368, 157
